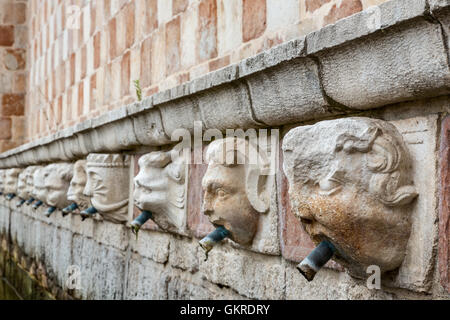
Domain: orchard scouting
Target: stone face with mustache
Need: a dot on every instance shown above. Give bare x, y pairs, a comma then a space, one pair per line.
108, 185
350, 184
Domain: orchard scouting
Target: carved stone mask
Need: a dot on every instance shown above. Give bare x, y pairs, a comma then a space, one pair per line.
160, 189
11, 180
108, 184
28, 192
22, 187
57, 184
2, 179
233, 196
39, 191
349, 182
77, 185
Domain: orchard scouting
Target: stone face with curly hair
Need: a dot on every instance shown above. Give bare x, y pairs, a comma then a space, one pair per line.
350, 183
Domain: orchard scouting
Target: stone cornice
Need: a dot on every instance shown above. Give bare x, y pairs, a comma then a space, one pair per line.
398, 51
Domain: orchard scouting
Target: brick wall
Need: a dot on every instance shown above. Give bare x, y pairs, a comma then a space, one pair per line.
13, 65
84, 55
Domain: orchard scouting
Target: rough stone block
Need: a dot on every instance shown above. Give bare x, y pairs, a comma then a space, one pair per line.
184, 254
364, 23
388, 67
111, 234
329, 285
419, 135
179, 114
148, 128
147, 280
226, 107
152, 245
288, 93
242, 271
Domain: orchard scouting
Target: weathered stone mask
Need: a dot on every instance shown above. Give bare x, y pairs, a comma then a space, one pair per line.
39, 191
234, 188
77, 185
349, 182
57, 184
108, 185
11, 180
2, 179
160, 189
25, 183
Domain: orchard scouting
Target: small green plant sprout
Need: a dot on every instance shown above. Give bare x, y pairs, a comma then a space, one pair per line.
137, 85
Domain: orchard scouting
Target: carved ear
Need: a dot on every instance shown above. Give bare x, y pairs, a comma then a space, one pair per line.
402, 196
256, 188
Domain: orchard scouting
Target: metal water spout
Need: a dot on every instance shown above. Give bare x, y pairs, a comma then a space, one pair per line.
30, 201
10, 196
88, 213
69, 209
20, 203
37, 204
140, 221
50, 211
208, 242
316, 260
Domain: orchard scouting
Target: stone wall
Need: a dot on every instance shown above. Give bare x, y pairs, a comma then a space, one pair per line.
13, 72
393, 69
114, 264
85, 55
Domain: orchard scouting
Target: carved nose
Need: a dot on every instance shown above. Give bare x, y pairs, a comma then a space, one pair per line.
207, 208
88, 190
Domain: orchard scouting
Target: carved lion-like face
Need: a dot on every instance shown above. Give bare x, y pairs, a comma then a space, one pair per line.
349, 182
160, 189
56, 188
226, 204
151, 189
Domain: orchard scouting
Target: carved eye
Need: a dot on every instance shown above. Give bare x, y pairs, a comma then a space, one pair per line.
221, 193
332, 183
328, 184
